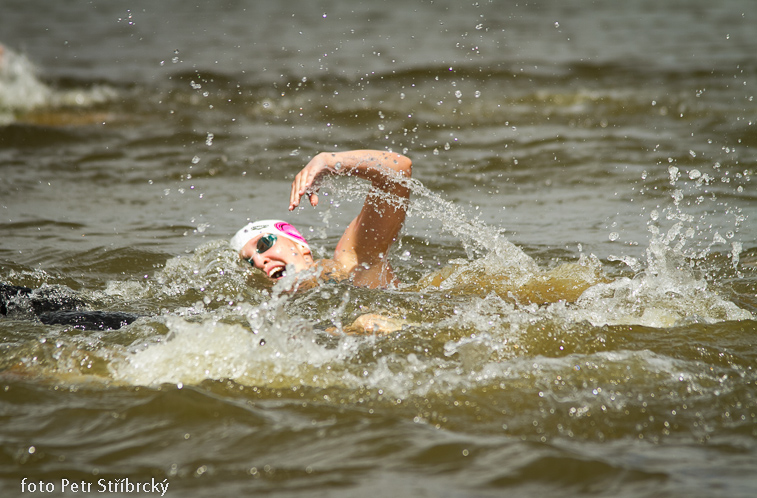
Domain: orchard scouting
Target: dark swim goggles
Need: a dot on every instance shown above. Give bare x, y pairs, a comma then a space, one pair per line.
264, 243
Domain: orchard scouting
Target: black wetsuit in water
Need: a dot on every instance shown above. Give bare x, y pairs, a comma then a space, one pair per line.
51, 306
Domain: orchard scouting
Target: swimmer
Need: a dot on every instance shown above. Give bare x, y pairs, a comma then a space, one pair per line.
276, 247
57, 306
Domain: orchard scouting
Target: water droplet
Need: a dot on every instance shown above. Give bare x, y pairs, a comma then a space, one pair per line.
673, 173
694, 174
614, 236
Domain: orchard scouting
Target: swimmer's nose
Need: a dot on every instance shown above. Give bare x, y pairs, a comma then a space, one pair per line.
260, 260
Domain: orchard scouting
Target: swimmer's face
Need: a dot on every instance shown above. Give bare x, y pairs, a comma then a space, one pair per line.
271, 254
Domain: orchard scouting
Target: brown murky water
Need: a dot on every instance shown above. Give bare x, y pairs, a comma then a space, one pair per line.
579, 263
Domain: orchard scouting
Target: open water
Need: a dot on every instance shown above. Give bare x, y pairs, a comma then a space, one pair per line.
579, 263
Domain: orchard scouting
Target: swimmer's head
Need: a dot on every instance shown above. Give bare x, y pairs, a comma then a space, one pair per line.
271, 246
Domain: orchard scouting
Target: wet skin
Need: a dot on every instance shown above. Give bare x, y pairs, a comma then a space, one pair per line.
274, 261
362, 249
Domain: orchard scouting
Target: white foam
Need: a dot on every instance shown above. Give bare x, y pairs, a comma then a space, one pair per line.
211, 349
21, 89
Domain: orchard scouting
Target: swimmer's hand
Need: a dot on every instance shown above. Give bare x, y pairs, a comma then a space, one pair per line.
372, 324
306, 181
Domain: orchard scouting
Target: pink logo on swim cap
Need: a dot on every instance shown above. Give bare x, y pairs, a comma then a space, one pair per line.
290, 231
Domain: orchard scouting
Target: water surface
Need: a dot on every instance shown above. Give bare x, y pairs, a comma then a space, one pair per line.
579, 263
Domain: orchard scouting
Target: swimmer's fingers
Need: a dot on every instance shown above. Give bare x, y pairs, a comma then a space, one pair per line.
297, 191
302, 185
294, 195
305, 183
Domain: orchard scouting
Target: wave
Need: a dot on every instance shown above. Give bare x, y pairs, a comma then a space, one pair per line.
22, 92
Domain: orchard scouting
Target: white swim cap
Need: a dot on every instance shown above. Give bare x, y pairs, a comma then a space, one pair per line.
278, 227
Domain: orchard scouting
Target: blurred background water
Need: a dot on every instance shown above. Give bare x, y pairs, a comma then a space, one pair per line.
588, 148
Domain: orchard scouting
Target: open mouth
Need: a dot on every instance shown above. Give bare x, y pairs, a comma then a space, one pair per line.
277, 273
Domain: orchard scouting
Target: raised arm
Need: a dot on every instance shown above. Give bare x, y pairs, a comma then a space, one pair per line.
363, 248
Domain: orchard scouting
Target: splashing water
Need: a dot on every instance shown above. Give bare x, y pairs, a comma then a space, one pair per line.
479, 314
476, 237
